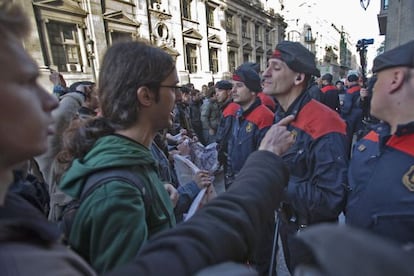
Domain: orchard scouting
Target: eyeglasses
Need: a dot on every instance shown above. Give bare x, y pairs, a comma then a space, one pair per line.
174, 87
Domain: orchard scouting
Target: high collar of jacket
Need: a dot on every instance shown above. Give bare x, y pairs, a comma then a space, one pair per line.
384, 130
404, 129
20, 221
224, 104
244, 113
294, 108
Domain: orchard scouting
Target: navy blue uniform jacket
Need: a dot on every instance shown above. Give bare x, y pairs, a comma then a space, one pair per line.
317, 161
381, 178
249, 128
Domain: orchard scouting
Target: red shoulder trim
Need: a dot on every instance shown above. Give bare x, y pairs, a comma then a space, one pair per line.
328, 88
402, 143
231, 109
316, 119
353, 89
267, 100
261, 116
372, 136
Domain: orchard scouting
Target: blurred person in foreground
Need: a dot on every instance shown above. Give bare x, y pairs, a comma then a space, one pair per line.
28, 243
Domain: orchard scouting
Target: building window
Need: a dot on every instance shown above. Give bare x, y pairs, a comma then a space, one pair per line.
308, 35
245, 29
162, 31
246, 57
259, 61
229, 23
213, 56
186, 8
232, 61
64, 46
294, 36
268, 36
191, 53
120, 36
257, 33
155, 4
385, 5
210, 15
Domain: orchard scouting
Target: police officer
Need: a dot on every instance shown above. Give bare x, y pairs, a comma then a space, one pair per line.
381, 172
251, 122
351, 111
228, 111
329, 95
318, 159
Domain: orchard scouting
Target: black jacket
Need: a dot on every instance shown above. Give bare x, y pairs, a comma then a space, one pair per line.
30, 245
223, 230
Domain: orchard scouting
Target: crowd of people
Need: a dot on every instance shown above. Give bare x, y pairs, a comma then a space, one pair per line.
87, 179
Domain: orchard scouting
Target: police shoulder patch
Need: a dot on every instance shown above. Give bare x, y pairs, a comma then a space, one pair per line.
408, 179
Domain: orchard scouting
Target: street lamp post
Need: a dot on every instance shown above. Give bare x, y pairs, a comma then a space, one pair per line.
91, 55
362, 49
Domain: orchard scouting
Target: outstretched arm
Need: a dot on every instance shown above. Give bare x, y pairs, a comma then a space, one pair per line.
223, 230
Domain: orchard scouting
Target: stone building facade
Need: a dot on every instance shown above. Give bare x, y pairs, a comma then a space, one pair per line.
395, 21
208, 38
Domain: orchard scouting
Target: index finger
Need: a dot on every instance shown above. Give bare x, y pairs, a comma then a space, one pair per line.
285, 121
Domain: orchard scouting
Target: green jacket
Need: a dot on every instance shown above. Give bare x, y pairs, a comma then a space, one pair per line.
111, 224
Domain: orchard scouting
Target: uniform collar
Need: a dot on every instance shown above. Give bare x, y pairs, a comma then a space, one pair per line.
384, 131
225, 103
405, 129
256, 103
294, 108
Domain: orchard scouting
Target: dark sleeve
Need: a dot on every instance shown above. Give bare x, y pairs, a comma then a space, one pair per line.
223, 230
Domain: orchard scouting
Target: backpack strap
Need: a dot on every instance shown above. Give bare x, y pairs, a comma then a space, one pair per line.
98, 178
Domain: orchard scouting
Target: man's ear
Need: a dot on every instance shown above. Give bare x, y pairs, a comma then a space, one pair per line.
145, 96
398, 77
299, 78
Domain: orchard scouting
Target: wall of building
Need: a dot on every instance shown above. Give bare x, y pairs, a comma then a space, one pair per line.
400, 21
83, 29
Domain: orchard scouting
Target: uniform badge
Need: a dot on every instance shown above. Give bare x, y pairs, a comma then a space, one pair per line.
408, 179
361, 147
249, 127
